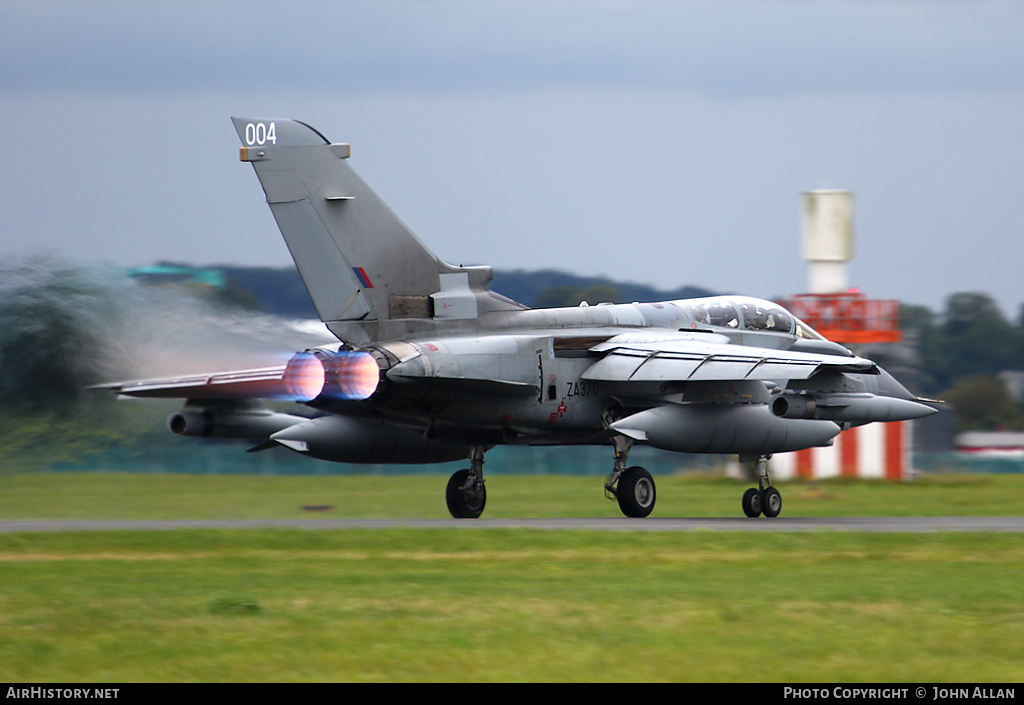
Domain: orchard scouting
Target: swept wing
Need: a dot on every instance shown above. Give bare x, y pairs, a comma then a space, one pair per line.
703, 357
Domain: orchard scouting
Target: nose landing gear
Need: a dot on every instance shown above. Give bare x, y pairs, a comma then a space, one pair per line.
765, 499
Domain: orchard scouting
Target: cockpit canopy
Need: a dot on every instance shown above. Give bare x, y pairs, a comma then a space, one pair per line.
744, 313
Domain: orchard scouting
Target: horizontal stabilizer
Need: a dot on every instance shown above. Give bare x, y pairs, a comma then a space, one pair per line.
307, 376
265, 382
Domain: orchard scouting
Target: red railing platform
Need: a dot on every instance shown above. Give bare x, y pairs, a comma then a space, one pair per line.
849, 317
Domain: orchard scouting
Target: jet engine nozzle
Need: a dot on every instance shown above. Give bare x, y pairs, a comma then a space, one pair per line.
348, 374
304, 376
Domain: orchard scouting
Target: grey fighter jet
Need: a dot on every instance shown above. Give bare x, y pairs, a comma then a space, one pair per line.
433, 366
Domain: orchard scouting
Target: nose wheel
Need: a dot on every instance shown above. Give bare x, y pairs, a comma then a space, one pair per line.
752, 502
771, 502
764, 499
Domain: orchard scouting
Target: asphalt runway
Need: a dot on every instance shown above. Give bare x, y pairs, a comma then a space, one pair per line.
777, 525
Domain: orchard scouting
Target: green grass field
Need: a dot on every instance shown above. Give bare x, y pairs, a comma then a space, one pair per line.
69, 495
503, 605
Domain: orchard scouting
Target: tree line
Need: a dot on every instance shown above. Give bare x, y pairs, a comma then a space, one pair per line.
960, 351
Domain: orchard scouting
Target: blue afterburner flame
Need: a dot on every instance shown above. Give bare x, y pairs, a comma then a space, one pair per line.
342, 375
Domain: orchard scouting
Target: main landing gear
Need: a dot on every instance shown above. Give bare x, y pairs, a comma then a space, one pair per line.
632, 487
765, 499
466, 495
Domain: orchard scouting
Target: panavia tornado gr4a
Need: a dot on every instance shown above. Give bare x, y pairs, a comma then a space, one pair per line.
432, 366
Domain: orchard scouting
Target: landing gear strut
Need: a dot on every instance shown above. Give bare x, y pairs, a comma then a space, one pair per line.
632, 487
765, 499
466, 495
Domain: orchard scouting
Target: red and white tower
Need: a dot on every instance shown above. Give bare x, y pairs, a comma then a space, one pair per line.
843, 315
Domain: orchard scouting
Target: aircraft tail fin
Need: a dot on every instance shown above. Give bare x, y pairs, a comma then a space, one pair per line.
361, 264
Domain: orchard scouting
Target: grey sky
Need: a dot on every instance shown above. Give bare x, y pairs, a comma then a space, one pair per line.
663, 142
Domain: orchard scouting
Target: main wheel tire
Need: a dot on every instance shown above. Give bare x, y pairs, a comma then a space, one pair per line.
771, 502
464, 504
635, 492
752, 503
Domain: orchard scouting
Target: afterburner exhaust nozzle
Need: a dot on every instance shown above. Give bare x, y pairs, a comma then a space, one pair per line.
342, 375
